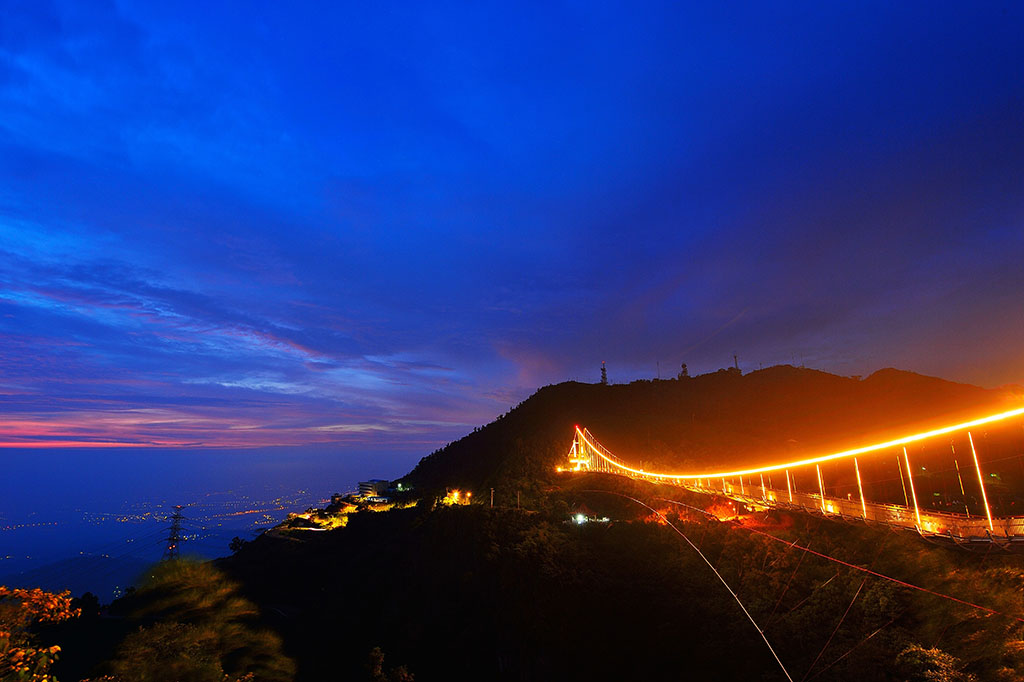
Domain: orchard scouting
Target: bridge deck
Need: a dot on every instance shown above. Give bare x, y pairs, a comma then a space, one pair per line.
957, 527
589, 455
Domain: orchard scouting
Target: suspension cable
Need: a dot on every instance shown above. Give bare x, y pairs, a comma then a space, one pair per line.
862, 568
850, 650
838, 625
712, 567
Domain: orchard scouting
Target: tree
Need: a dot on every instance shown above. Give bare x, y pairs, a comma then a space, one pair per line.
20, 612
190, 609
683, 372
375, 666
88, 604
169, 652
917, 664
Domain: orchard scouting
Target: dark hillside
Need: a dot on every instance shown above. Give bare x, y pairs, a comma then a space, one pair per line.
709, 421
469, 592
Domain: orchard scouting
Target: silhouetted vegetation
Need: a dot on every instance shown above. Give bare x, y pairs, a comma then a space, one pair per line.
23, 658
474, 592
466, 591
186, 622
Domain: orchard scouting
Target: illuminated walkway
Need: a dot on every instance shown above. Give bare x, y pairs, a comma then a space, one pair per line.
949, 487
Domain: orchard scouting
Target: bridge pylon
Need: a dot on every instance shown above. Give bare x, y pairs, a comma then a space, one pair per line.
580, 458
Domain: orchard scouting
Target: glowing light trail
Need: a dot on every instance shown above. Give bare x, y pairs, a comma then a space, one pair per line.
821, 486
753, 622
902, 583
813, 460
963, 495
838, 625
981, 480
910, 477
863, 506
854, 566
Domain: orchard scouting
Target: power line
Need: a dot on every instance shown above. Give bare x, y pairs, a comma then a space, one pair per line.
838, 625
174, 536
712, 567
862, 568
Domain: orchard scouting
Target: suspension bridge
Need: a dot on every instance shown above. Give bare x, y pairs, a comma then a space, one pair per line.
962, 483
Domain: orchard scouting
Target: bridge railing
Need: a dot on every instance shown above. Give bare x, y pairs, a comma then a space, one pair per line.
931, 522
589, 454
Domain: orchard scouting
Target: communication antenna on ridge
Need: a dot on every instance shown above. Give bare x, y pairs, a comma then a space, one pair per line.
174, 535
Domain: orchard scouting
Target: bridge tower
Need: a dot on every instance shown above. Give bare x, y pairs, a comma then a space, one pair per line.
580, 457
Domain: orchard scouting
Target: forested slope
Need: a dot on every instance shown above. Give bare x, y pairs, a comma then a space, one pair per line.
712, 420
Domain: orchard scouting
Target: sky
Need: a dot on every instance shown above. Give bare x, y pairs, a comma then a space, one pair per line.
374, 226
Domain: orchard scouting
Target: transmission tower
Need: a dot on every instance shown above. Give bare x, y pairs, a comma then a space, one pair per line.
174, 537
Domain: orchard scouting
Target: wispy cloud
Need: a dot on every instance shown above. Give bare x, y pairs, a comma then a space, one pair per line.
240, 239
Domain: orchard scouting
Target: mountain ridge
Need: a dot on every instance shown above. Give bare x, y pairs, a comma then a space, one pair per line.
717, 419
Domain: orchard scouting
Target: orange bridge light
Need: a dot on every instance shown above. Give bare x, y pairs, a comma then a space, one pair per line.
600, 452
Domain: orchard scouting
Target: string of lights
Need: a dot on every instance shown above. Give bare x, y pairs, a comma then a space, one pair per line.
899, 442
712, 567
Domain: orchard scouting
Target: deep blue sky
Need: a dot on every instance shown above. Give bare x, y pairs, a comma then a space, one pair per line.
378, 225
